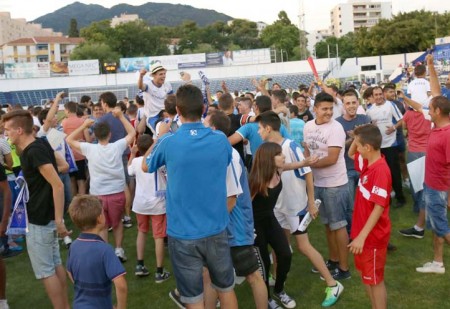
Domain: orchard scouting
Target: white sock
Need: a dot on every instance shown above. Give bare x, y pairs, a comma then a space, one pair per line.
418, 229
440, 264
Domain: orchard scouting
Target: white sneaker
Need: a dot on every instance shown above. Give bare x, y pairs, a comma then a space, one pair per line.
430, 268
4, 304
67, 241
273, 304
286, 300
120, 253
272, 280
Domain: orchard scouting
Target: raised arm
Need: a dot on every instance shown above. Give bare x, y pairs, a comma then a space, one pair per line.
416, 106
52, 111
434, 81
141, 84
131, 132
72, 141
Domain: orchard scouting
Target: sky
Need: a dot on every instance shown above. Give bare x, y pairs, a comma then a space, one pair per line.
317, 13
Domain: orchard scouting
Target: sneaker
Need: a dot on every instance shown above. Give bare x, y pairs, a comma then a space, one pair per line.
67, 241
331, 265
161, 277
273, 304
120, 253
127, 222
272, 280
110, 229
176, 299
431, 268
339, 274
391, 247
333, 293
141, 271
8, 253
286, 300
412, 232
4, 304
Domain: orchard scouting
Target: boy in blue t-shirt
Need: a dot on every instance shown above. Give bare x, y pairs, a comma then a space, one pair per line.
92, 277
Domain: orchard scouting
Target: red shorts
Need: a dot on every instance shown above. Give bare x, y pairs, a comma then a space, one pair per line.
113, 207
159, 224
370, 263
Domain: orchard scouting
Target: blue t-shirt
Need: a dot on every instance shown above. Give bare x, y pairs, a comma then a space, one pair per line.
240, 228
349, 126
297, 126
93, 266
446, 92
250, 131
196, 159
117, 129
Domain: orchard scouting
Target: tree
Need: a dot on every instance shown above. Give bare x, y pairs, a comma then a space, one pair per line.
283, 35
245, 34
98, 32
73, 29
100, 51
345, 45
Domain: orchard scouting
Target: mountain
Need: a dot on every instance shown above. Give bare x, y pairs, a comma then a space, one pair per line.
164, 14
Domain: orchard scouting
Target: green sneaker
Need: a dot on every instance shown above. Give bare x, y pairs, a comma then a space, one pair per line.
333, 293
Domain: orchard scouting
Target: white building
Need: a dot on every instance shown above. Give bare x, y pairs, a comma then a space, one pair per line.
123, 18
355, 14
16, 28
38, 49
315, 37
260, 25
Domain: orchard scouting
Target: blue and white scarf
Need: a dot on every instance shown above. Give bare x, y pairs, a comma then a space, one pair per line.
18, 222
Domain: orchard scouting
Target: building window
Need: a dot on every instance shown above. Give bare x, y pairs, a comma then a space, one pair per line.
368, 67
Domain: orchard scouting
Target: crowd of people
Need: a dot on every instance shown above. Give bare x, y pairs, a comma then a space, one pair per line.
227, 183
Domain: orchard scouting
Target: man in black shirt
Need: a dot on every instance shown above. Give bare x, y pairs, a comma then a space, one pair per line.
45, 206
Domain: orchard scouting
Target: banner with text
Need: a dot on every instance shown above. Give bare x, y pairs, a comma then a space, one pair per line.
83, 67
134, 64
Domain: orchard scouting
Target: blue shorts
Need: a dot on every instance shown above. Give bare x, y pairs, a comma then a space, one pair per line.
188, 258
436, 211
334, 204
43, 249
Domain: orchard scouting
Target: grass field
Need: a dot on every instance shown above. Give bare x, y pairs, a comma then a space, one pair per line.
406, 288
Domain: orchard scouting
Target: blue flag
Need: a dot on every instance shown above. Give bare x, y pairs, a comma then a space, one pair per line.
18, 223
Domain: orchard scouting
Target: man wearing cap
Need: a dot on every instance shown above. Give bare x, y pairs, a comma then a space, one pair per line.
155, 92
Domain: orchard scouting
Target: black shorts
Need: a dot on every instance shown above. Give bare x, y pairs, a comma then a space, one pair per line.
245, 261
297, 232
81, 173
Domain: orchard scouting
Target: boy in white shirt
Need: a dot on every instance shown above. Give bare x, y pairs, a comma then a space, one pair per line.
419, 88
149, 204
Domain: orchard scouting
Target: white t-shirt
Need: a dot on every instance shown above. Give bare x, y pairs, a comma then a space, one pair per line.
293, 197
4, 150
383, 116
234, 172
319, 138
105, 166
418, 89
154, 98
145, 200
338, 108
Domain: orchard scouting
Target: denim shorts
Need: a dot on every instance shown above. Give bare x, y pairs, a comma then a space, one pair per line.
188, 258
436, 211
43, 249
334, 204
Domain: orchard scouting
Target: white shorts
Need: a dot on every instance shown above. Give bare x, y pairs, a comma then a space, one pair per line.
287, 222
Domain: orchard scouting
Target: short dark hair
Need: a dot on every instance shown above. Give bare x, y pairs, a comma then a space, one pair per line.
293, 109
388, 86
132, 109
190, 102
102, 130
123, 106
323, 97
270, 119
334, 87
280, 95
84, 211
420, 70
368, 93
20, 119
246, 101
295, 95
251, 94
170, 104
350, 92
71, 107
85, 99
442, 103
108, 98
226, 102
139, 100
264, 103
36, 110
220, 121
369, 134
144, 142
42, 115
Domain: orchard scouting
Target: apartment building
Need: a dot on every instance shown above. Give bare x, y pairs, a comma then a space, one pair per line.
354, 14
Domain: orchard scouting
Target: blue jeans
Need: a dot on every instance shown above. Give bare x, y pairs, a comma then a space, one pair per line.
353, 179
333, 207
65, 178
188, 258
417, 196
436, 211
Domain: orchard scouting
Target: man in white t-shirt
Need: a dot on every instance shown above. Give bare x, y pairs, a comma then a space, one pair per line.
387, 117
155, 92
324, 137
419, 88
